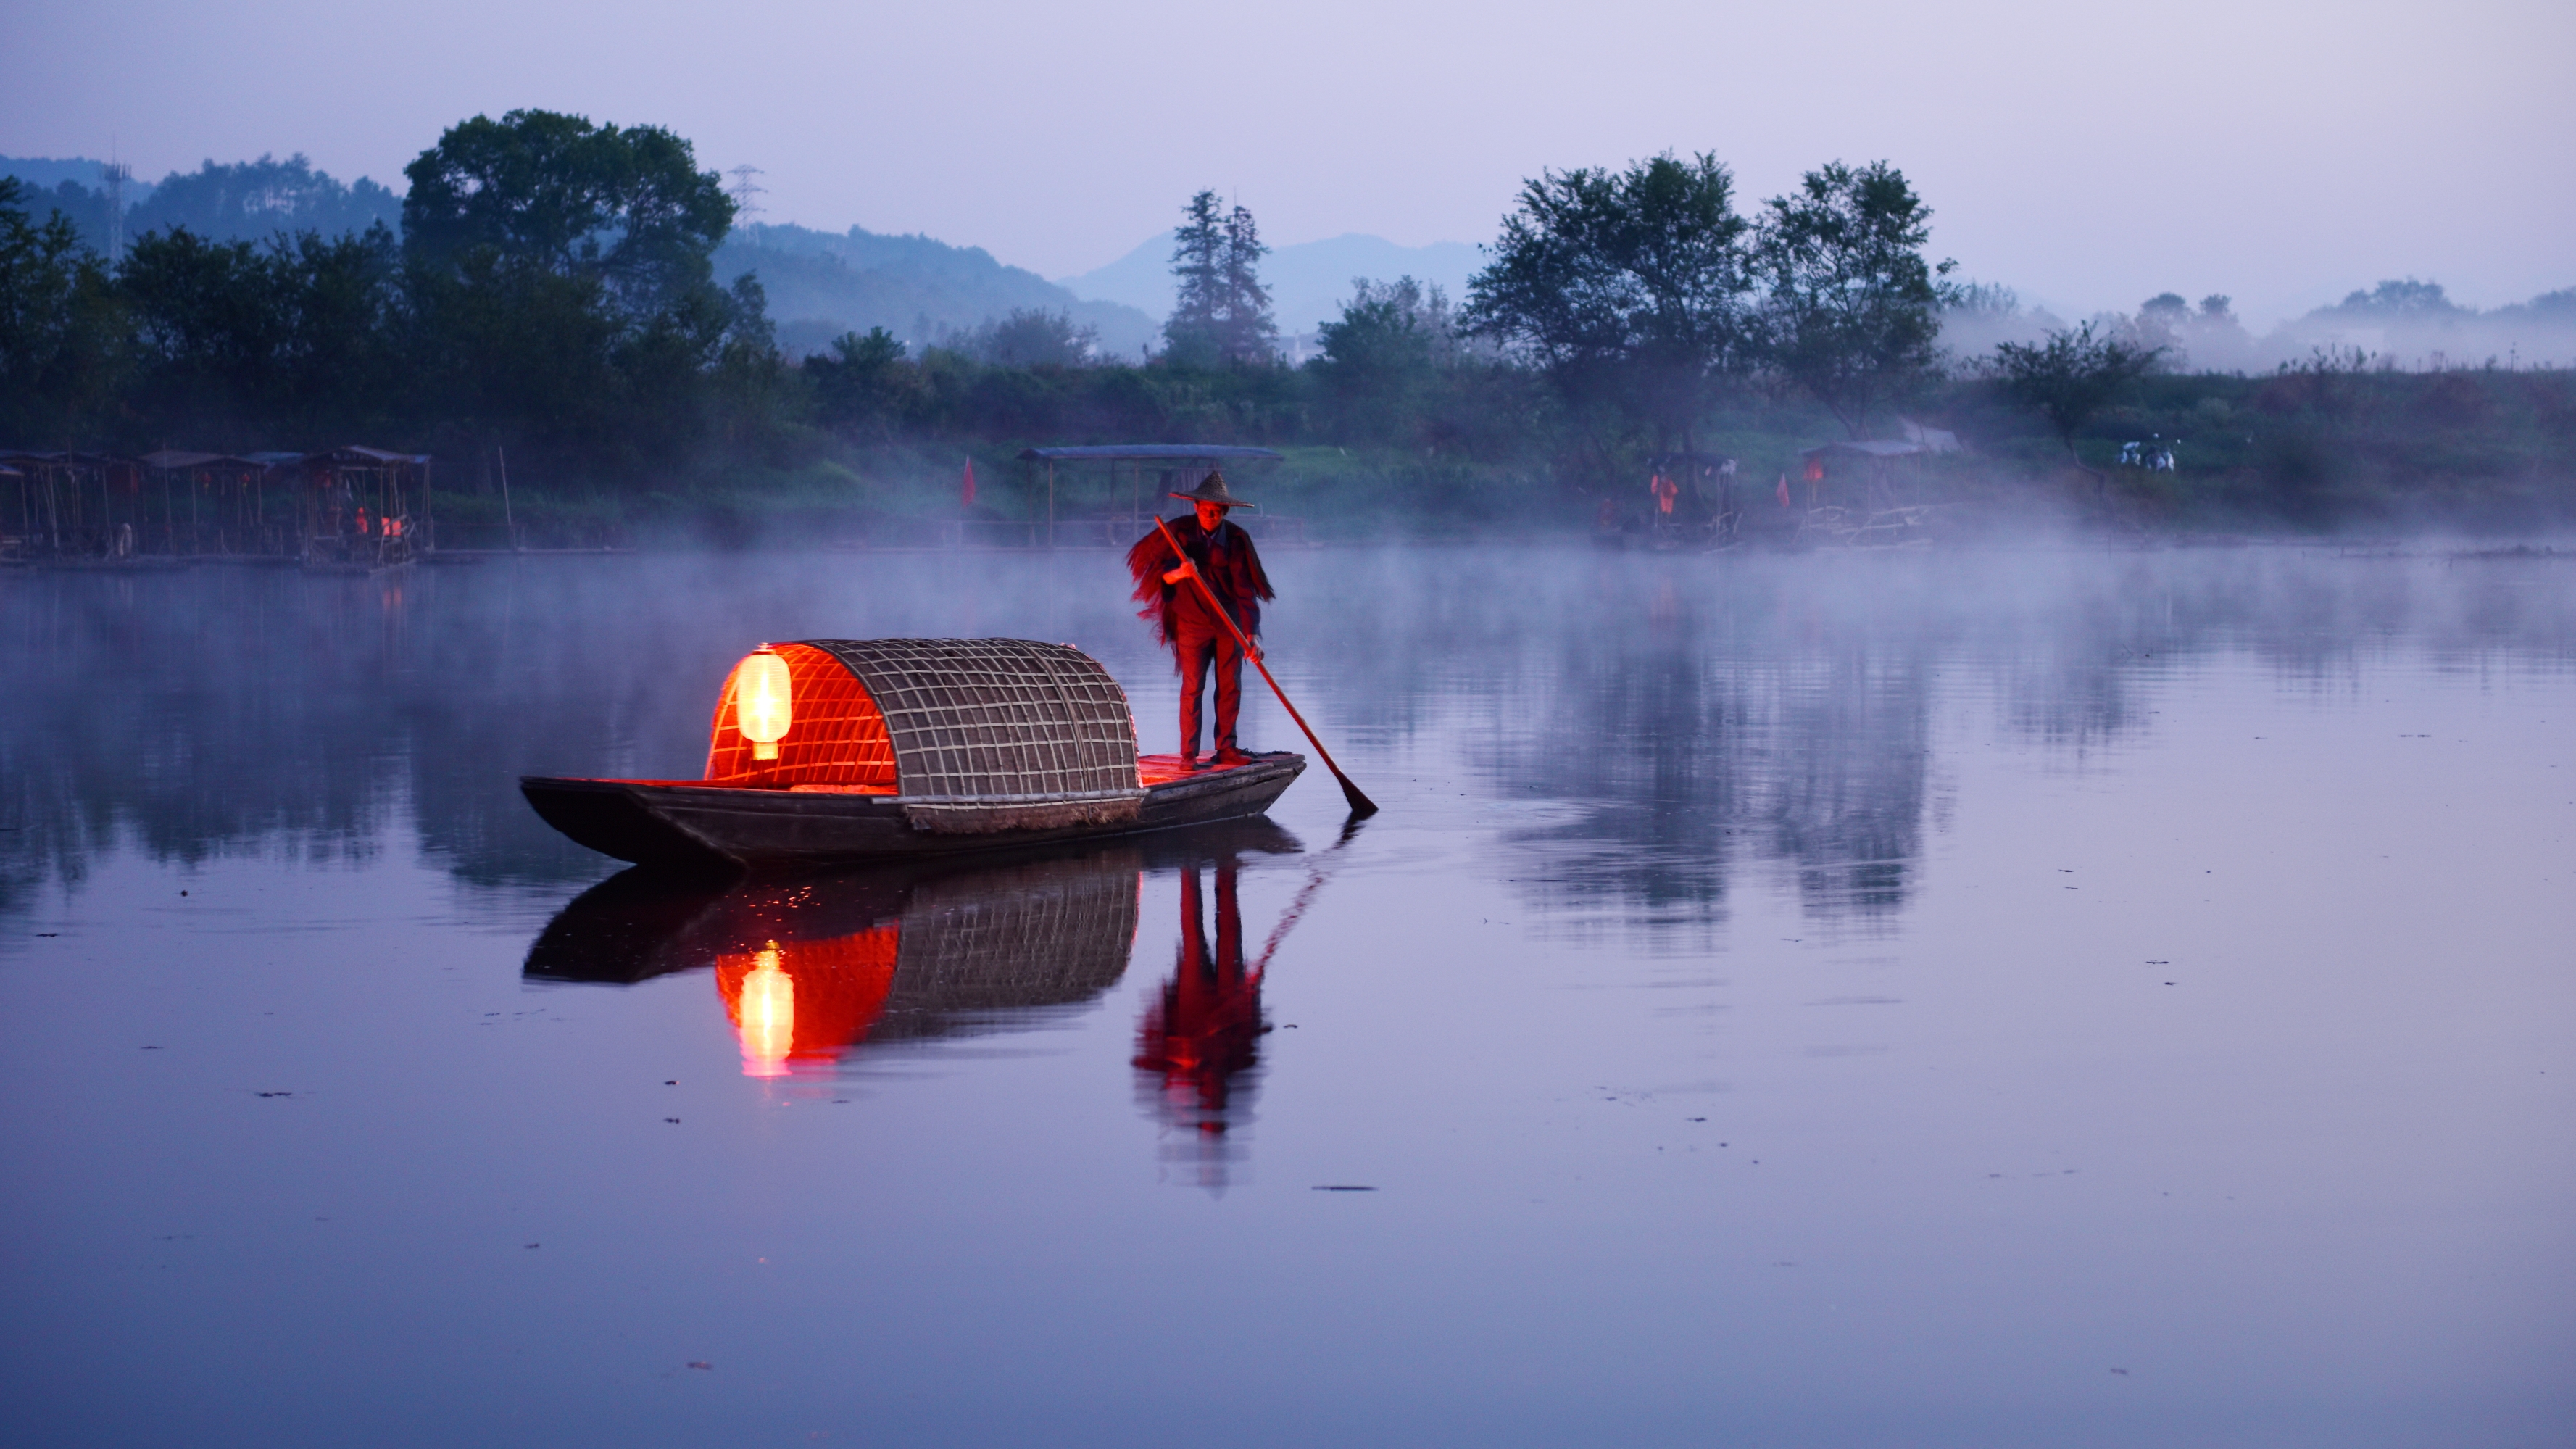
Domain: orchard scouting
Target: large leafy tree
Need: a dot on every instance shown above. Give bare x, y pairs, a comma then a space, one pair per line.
1385, 353
863, 384
2070, 378
1851, 310
564, 270
235, 343
210, 321
1628, 287
60, 325
1032, 337
625, 205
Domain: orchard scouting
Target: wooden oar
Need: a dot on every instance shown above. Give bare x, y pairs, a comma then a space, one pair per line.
1361, 804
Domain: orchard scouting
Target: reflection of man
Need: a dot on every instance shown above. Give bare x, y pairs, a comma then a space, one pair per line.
1205, 1029
1220, 553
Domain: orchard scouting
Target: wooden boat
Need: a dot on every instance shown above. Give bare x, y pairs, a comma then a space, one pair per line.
847, 750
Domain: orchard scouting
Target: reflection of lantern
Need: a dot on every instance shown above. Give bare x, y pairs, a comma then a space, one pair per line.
768, 1017
800, 1004
760, 702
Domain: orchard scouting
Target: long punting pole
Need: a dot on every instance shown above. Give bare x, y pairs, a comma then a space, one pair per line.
1361, 804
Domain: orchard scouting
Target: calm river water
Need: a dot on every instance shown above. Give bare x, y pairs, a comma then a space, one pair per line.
2028, 998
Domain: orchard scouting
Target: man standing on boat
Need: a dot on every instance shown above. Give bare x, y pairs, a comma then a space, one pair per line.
1220, 554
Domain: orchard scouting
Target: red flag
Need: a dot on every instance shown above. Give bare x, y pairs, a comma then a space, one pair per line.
969, 490
1784, 490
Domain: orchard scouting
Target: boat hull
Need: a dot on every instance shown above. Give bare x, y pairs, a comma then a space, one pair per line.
685, 823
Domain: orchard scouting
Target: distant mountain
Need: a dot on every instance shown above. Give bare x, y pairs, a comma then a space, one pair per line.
44, 174
70, 186
255, 200
822, 284
1308, 281
239, 201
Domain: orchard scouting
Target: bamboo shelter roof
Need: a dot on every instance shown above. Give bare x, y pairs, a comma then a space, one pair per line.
996, 720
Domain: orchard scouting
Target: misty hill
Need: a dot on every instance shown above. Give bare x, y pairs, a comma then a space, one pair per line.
45, 173
2414, 324
236, 201
822, 284
2401, 323
1308, 282
252, 200
71, 186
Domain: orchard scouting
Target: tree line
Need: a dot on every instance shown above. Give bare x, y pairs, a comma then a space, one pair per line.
550, 288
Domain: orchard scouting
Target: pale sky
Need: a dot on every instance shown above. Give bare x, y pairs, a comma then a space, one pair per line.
2088, 155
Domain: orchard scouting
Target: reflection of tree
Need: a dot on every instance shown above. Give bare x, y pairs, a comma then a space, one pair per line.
226, 711
1199, 1045
1678, 717
1680, 760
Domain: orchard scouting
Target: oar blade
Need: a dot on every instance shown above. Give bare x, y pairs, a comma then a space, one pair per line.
1362, 807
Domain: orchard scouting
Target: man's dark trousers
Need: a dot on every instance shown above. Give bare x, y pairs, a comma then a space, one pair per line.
1199, 645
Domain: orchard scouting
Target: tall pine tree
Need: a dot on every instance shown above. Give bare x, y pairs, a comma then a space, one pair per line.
1191, 333
1249, 333
1220, 310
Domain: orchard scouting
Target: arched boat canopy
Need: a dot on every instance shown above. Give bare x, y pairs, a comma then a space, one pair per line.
972, 735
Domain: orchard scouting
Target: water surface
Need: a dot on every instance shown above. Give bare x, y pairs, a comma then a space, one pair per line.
1982, 999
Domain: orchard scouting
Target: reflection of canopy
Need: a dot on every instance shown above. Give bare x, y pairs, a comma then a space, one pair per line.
981, 948
963, 729
964, 954
811, 967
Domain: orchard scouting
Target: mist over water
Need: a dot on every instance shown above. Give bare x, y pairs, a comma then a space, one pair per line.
2031, 996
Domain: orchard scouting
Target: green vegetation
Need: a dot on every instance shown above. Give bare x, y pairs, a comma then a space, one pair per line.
553, 291
1851, 311
2071, 377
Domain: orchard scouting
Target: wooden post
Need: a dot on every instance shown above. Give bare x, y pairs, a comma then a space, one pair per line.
508, 521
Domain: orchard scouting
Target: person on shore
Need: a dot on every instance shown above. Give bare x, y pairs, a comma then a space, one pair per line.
1220, 554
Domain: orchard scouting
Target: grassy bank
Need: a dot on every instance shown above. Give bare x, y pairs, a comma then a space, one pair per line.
2318, 450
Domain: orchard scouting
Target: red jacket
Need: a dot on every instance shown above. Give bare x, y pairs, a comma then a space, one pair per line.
1227, 560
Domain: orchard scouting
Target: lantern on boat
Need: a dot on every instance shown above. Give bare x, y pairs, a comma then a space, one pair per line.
760, 708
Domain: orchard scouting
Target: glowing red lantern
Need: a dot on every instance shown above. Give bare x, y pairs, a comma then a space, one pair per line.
760, 708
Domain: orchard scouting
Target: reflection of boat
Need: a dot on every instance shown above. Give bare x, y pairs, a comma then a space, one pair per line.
810, 966
857, 749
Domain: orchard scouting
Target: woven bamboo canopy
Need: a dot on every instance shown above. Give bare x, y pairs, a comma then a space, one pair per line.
973, 735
